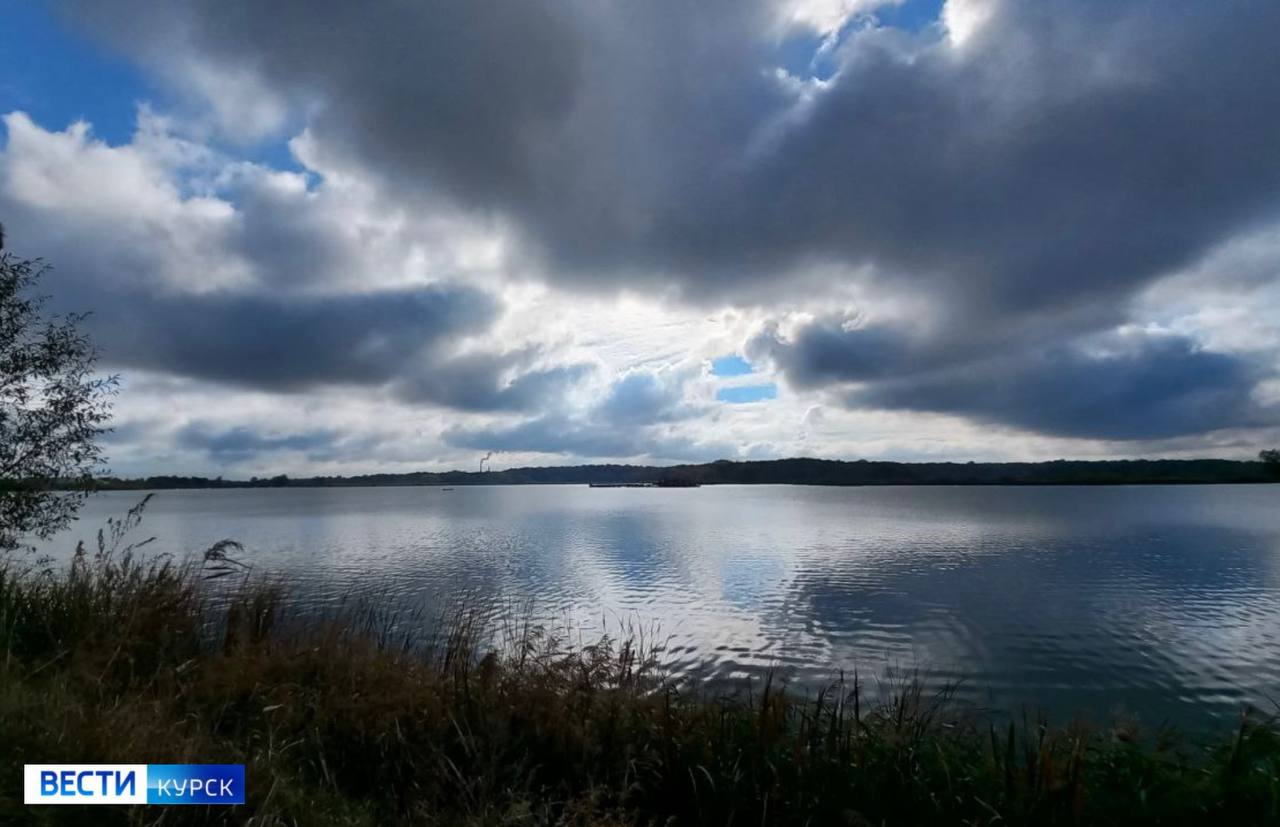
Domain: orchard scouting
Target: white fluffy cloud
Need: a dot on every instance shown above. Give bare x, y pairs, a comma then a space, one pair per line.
966, 18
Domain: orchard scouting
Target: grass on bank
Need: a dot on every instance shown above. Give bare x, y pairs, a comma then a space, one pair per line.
352, 720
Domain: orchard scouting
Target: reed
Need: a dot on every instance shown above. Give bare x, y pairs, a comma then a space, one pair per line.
364, 716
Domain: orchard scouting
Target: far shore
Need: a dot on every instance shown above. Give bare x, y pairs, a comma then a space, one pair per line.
797, 471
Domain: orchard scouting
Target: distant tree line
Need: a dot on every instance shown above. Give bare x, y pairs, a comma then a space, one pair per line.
800, 471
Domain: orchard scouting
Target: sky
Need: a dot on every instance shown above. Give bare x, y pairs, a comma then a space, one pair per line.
335, 238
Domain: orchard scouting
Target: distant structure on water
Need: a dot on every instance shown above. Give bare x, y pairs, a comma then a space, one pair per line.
667, 483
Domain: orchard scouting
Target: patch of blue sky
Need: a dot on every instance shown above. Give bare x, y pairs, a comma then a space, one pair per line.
742, 394
911, 15
803, 55
58, 76
276, 154
731, 365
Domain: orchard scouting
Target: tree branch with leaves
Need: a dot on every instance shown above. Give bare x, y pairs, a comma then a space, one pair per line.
53, 408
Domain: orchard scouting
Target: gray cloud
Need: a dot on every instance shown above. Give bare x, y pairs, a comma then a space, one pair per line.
242, 443
492, 382
827, 351
1076, 151
559, 434
287, 342
629, 420
1155, 389
152, 285
400, 339
1125, 387
644, 398
454, 93
1024, 188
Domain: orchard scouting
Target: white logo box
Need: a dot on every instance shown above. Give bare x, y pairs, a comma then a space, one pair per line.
85, 784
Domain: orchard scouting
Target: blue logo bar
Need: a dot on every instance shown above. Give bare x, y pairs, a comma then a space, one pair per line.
195, 783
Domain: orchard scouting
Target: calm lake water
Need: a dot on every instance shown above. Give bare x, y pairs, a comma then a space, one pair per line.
1162, 601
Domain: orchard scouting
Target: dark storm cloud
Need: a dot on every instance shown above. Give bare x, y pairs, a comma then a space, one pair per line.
274, 332
241, 443
403, 340
453, 93
1078, 151
1134, 386
399, 339
826, 351
1152, 389
287, 342
1073, 151
585, 122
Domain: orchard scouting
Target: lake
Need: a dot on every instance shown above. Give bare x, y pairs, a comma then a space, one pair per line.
1162, 601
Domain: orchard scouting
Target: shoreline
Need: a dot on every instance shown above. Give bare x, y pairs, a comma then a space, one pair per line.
796, 471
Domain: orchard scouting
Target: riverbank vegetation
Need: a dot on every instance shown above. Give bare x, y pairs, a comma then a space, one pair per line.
365, 717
